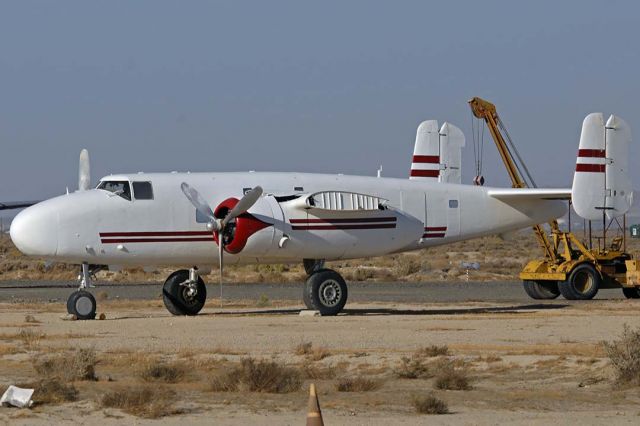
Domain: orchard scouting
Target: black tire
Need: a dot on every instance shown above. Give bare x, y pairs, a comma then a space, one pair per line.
176, 298
306, 296
82, 304
541, 290
631, 292
583, 283
327, 292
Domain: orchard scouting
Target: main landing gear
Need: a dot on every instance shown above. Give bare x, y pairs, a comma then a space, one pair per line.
81, 303
184, 292
325, 290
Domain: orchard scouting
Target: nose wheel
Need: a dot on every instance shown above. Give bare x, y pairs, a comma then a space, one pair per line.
325, 291
82, 304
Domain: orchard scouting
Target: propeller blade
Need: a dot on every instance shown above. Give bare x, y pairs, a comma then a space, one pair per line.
84, 171
220, 254
243, 205
198, 202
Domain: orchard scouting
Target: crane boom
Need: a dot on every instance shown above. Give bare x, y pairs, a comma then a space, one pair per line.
486, 111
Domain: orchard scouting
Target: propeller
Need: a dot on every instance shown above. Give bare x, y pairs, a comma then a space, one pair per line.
220, 224
84, 171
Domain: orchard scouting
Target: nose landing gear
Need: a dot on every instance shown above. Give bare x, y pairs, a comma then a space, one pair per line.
81, 303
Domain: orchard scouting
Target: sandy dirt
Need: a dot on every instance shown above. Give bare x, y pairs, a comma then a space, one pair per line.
528, 363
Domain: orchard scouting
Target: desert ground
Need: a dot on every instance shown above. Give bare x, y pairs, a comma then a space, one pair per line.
481, 350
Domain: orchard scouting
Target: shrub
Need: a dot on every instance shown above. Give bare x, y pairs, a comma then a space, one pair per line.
356, 384
52, 390
429, 404
79, 365
412, 368
452, 379
142, 401
624, 355
162, 373
258, 376
433, 351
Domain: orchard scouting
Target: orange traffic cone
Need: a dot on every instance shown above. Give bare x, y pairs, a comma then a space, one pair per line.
314, 415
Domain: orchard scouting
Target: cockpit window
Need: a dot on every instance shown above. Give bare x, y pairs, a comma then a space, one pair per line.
143, 190
118, 187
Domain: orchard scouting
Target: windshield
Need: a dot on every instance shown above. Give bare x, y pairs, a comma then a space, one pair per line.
118, 187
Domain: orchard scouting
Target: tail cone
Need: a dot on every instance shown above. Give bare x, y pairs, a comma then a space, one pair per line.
314, 415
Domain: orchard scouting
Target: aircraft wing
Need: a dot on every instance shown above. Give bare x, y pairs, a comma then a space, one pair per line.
16, 204
522, 194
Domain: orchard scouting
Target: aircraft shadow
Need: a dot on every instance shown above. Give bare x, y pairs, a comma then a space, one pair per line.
516, 309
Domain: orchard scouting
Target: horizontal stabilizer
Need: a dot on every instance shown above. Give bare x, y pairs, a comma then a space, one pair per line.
521, 194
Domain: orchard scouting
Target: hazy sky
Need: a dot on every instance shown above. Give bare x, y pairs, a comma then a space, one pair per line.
300, 86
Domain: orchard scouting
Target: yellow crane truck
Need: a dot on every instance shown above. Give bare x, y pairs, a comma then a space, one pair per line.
569, 267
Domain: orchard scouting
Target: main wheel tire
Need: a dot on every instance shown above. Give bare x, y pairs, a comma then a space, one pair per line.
631, 292
306, 296
327, 292
541, 290
82, 304
176, 296
583, 283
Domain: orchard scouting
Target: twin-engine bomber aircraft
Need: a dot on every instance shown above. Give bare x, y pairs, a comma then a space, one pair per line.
194, 221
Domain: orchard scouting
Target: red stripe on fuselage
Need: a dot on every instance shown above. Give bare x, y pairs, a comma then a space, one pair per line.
354, 220
156, 234
156, 240
342, 227
435, 228
433, 235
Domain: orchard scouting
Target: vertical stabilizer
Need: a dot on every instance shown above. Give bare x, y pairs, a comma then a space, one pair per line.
619, 192
451, 143
425, 164
601, 182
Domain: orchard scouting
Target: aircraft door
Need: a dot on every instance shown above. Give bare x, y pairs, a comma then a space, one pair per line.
278, 219
437, 224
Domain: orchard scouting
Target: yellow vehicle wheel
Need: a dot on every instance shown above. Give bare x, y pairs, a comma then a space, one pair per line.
541, 290
582, 284
631, 293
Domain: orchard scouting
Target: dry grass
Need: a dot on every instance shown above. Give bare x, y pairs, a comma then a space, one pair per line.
357, 384
429, 404
52, 390
80, 364
312, 353
142, 401
624, 355
30, 339
30, 319
318, 373
413, 368
258, 376
433, 351
451, 378
167, 373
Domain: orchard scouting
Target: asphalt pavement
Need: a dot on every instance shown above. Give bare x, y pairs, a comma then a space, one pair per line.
398, 292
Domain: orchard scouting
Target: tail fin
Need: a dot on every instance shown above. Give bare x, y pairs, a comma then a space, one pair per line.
601, 181
437, 154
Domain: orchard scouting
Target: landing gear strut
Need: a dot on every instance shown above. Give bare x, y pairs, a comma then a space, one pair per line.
81, 303
184, 292
325, 291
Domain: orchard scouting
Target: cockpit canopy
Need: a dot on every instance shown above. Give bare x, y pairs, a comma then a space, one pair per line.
142, 190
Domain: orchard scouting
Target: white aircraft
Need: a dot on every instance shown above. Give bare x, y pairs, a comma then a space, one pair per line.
194, 221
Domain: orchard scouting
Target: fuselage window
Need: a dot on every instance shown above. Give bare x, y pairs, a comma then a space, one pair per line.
453, 204
118, 187
143, 190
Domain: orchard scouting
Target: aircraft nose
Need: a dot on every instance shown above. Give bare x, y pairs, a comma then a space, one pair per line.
34, 231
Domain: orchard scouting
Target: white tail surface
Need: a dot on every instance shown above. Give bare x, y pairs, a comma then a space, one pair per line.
84, 171
451, 143
425, 164
619, 192
601, 182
